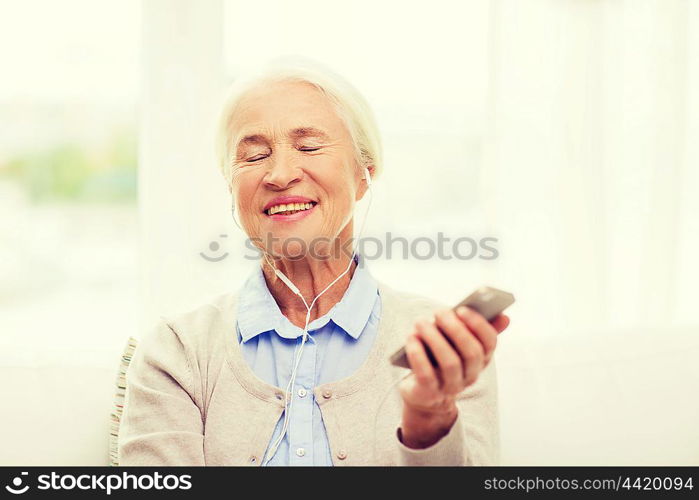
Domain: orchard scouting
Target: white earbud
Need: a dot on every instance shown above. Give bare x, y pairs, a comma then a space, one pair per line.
367, 176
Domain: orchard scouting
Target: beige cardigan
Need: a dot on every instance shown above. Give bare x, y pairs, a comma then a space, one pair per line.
192, 399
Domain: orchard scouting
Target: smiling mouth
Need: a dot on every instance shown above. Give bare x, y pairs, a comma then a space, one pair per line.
290, 208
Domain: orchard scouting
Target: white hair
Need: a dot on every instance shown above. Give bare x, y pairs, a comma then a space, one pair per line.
351, 107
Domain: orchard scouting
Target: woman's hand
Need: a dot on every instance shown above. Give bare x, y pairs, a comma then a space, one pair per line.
463, 343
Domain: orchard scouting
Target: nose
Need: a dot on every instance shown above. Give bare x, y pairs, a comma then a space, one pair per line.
284, 171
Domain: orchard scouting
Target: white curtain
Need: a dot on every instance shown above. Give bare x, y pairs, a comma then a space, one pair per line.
591, 168
591, 177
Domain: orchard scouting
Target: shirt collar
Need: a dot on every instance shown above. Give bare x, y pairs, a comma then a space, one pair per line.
258, 312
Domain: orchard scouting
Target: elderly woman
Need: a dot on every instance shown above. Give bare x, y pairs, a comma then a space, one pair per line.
294, 368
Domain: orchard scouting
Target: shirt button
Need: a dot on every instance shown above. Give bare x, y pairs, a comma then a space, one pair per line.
300, 452
327, 394
342, 454
302, 392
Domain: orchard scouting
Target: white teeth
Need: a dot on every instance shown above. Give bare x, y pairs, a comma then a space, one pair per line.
289, 207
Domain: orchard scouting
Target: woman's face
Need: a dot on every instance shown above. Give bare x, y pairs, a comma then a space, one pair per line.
295, 178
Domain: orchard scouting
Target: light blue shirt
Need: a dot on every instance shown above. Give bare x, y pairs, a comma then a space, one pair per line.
338, 343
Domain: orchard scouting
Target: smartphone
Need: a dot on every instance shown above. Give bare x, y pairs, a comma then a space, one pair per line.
488, 301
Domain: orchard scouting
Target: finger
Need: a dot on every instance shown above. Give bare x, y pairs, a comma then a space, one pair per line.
500, 322
423, 370
481, 329
450, 365
470, 350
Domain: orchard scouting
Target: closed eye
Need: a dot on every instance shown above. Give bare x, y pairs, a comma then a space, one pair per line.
309, 149
257, 158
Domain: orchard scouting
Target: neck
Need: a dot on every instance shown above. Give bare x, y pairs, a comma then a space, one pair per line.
311, 277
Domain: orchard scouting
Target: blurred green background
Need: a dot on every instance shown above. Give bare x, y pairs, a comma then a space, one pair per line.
71, 171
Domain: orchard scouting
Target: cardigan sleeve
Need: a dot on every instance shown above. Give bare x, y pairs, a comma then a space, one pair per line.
474, 438
161, 424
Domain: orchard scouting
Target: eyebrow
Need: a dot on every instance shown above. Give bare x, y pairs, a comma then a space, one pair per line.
302, 132
252, 139
297, 133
